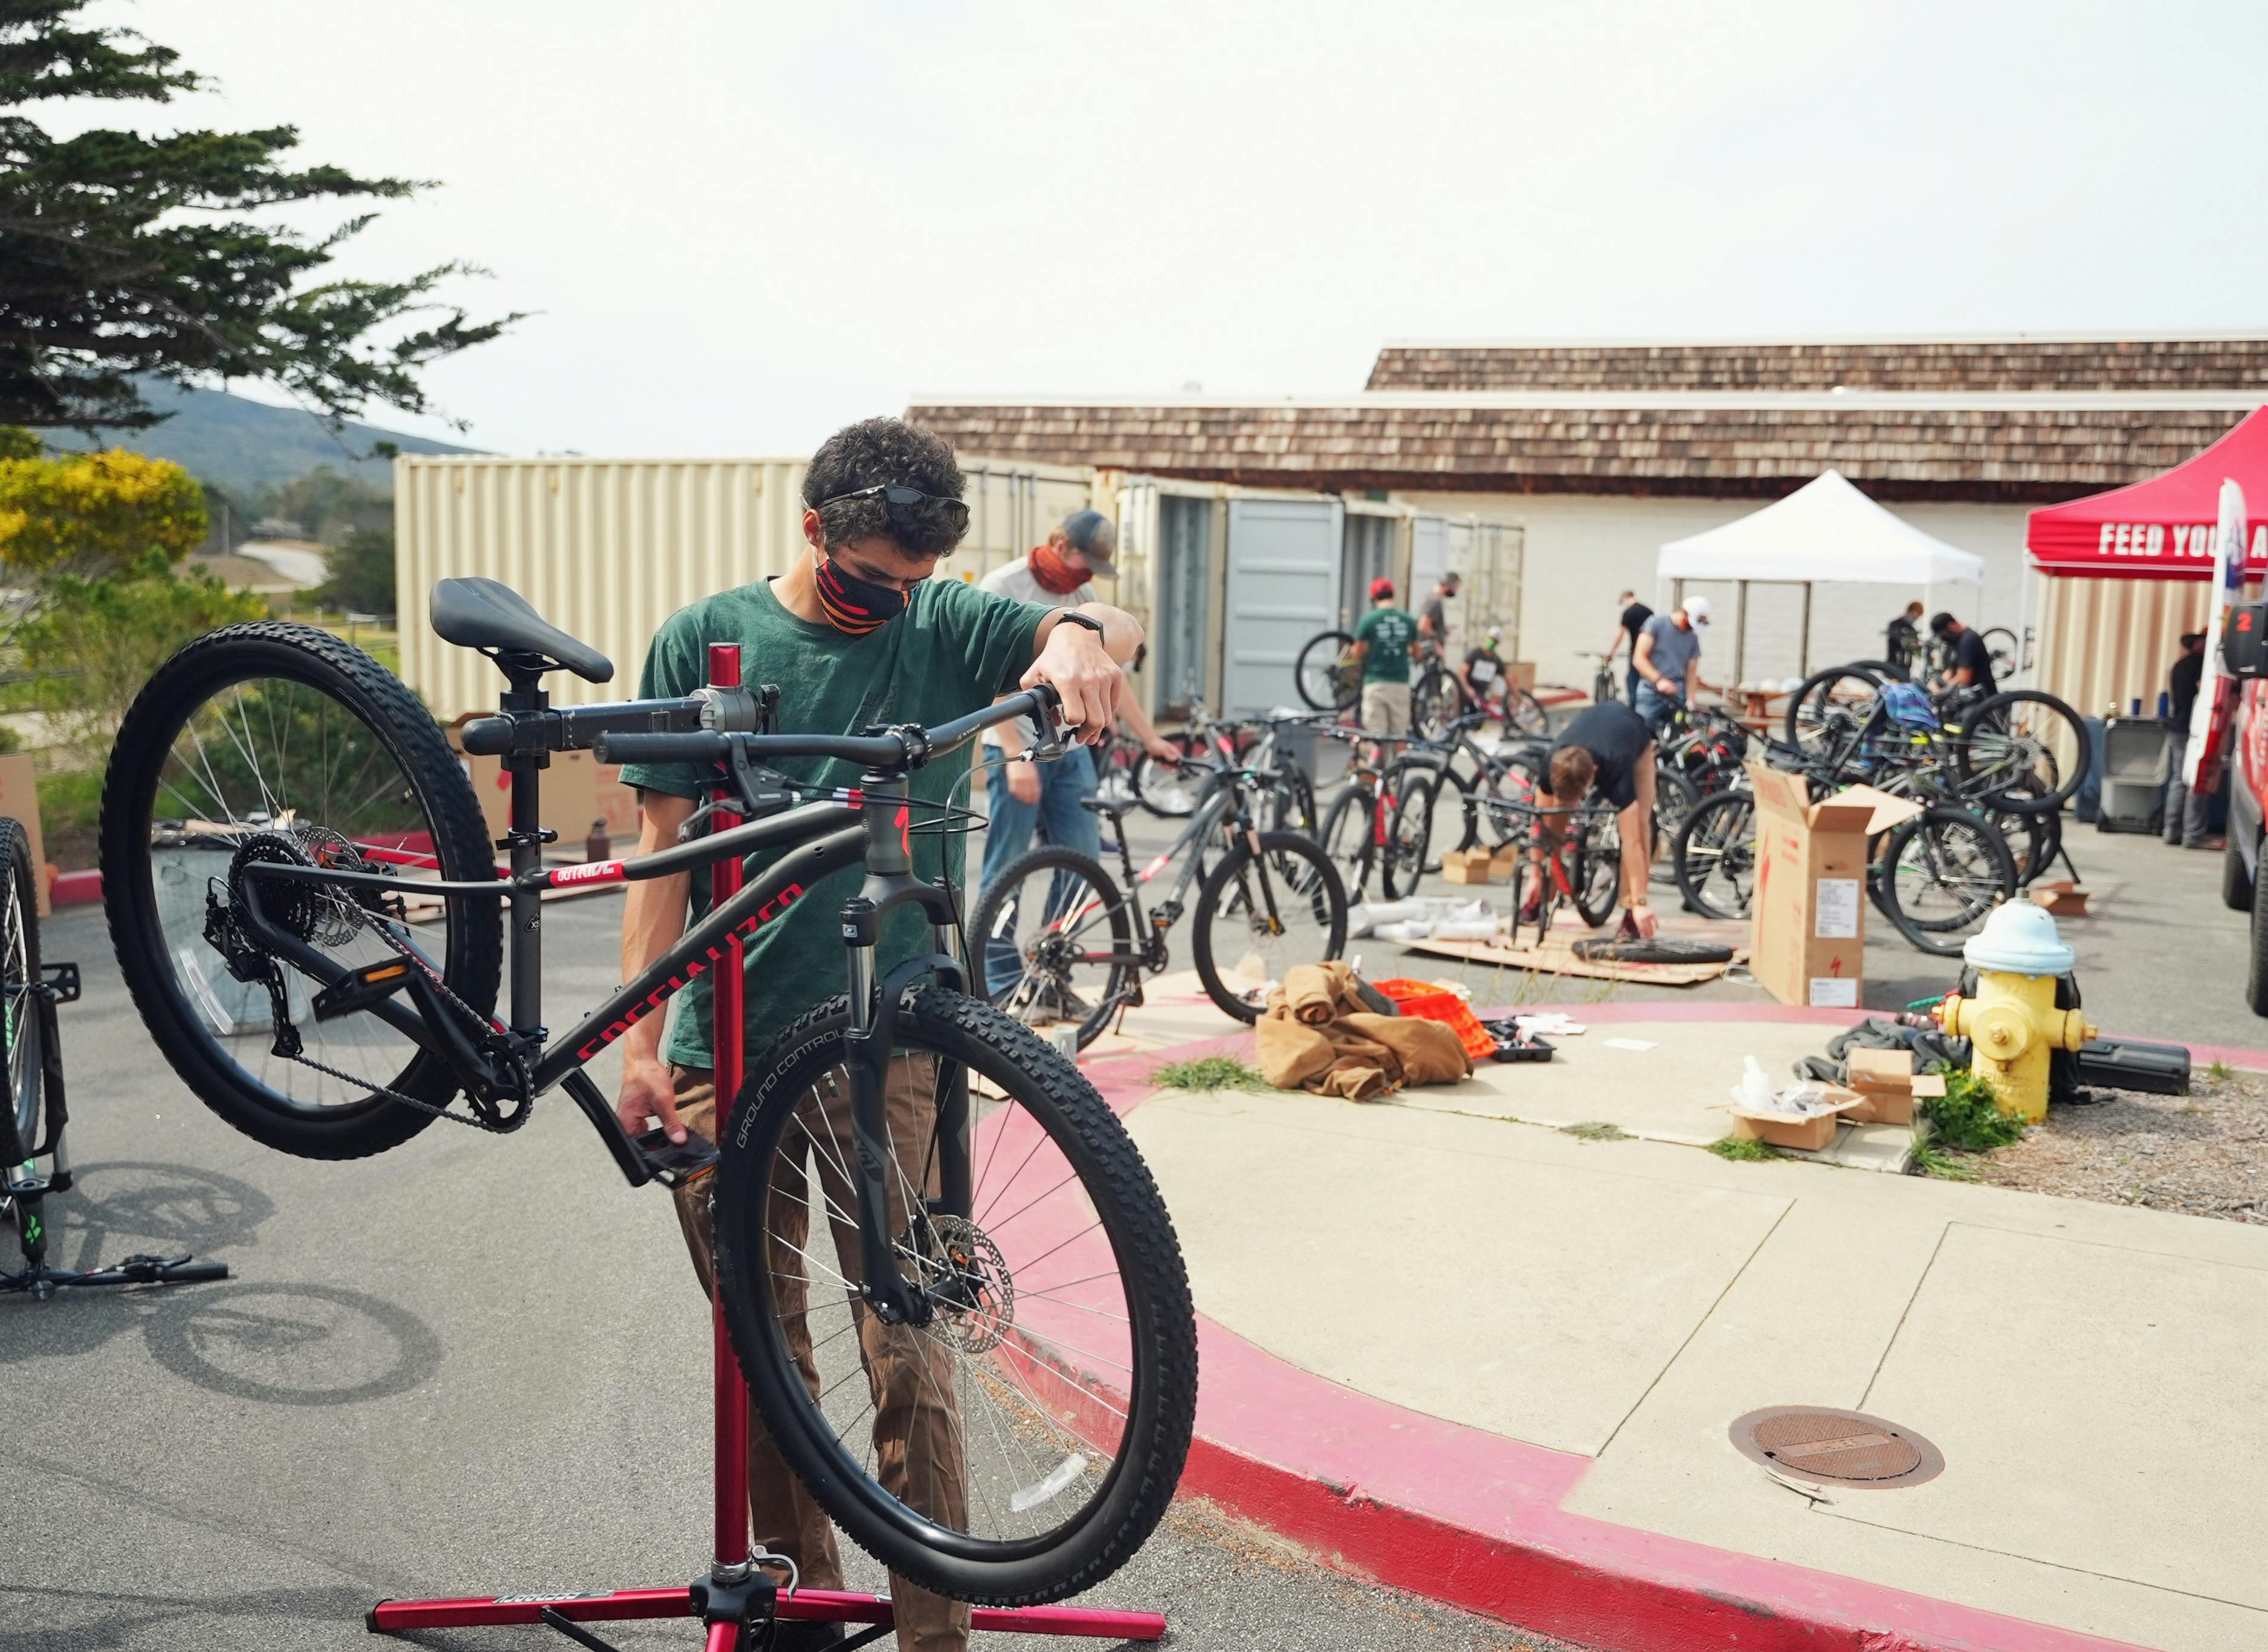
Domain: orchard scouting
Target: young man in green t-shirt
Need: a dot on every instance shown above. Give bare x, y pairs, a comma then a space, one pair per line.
855, 633
1381, 643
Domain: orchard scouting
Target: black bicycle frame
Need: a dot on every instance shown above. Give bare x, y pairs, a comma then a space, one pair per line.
870, 825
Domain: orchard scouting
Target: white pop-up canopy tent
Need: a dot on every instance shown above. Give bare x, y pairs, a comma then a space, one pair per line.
1825, 530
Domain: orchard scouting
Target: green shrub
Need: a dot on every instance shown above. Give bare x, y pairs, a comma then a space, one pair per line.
69, 798
1967, 1117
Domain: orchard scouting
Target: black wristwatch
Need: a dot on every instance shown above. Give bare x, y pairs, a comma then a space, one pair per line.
1065, 616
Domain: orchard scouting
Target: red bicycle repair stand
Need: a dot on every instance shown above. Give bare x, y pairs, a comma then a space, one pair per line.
736, 1601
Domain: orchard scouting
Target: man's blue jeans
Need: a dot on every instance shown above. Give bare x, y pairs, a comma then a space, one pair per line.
1656, 707
1062, 783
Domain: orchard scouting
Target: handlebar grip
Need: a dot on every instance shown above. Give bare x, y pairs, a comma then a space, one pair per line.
486, 736
701, 746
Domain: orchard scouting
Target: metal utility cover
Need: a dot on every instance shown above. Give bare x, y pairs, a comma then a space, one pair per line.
1836, 1448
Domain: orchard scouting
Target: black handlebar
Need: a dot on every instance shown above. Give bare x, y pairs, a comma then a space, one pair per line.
907, 747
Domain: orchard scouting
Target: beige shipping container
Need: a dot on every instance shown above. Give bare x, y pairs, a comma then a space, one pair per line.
2104, 643
608, 549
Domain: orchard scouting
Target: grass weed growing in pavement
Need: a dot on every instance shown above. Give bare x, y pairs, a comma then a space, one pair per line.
2217, 1070
1595, 1130
1968, 1118
1210, 1072
1742, 1149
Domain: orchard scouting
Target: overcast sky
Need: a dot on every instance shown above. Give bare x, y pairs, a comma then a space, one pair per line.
739, 225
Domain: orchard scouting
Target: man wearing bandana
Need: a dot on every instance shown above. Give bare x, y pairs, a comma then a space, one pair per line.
1057, 574
855, 633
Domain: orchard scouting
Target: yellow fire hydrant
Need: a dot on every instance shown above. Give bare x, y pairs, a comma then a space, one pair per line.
2012, 1023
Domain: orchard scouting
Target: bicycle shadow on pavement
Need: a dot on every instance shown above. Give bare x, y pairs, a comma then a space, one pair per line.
99, 1621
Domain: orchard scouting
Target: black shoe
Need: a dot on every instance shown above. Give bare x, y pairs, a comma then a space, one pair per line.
804, 1635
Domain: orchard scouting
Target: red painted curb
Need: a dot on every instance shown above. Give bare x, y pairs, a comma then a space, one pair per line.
1478, 1520
75, 889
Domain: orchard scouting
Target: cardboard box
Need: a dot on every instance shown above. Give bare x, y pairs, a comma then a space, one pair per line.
1505, 862
19, 800
1807, 940
1520, 674
1465, 866
1884, 1079
2062, 898
1809, 1134
576, 790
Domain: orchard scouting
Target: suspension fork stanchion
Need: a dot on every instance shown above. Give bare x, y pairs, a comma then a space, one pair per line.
728, 1036
887, 812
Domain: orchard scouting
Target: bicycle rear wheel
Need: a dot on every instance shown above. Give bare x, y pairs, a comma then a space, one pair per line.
1524, 714
1714, 857
1259, 915
1168, 792
1323, 682
2022, 750
19, 980
1054, 942
281, 742
1826, 700
1348, 834
1409, 830
1018, 1438
1937, 876
1434, 702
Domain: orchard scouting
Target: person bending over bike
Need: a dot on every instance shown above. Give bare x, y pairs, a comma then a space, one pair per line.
1024, 795
855, 633
1607, 752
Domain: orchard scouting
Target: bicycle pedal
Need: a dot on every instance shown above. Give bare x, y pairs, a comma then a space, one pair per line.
61, 981
359, 989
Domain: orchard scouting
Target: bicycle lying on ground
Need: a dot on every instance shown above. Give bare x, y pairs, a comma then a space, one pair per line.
1058, 941
307, 913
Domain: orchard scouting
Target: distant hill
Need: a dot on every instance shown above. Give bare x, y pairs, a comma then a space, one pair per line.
243, 446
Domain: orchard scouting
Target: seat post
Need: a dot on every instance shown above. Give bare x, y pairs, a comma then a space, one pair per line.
524, 840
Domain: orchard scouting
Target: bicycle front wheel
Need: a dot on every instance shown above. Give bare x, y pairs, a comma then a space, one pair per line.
1054, 942
1259, 915
2023, 751
269, 741
1714, 857
1937, 876
1324, 682
19, 980
1524, 714
1408, 830
1018, 1439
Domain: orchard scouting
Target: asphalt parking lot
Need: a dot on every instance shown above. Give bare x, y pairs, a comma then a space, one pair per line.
470, 1365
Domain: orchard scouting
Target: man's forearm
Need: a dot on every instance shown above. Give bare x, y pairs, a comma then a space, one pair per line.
1121, 632
653, 917
1137, 721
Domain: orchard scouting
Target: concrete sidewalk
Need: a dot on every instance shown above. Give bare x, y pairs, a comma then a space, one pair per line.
1586, 1319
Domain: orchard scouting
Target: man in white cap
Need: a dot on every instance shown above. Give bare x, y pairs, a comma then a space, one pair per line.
1025, 795
1668, 660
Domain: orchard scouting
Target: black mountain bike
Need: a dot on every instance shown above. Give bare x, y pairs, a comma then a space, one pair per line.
307, 912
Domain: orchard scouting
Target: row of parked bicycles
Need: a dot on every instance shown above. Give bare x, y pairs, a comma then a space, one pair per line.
1067, 939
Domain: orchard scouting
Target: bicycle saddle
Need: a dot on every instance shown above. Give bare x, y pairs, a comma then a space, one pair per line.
1114, 807
495, 619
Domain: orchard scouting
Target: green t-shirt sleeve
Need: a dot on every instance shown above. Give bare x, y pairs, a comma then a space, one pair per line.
676, 663
995, 634
1366, 624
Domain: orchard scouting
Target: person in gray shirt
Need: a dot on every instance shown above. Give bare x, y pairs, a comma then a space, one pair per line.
1669, 661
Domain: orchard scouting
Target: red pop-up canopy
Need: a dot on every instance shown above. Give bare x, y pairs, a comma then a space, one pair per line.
2162, 528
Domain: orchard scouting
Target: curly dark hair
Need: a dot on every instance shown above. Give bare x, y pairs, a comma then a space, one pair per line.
866, 454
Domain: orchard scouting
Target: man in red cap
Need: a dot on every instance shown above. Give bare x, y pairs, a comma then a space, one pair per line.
1381, 643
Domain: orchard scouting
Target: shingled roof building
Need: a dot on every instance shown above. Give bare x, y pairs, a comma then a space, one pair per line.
1603, 451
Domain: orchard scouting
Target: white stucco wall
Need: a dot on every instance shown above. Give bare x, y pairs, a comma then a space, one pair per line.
1582, 550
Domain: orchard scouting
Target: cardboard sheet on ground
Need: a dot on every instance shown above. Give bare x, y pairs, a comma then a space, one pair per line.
1556, 956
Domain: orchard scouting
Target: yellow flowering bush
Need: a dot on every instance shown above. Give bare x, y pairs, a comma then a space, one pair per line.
88, 514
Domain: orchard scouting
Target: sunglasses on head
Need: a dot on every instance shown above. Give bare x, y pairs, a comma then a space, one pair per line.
909, 508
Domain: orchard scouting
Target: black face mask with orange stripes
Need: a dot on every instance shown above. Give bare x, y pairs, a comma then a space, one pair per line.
854, 606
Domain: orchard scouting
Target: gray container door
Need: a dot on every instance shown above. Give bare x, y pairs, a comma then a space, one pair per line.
1368, 553
1283, 588
1184, 590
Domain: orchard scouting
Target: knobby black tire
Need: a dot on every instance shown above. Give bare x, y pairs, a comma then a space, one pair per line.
1820, 686
1408, 832
1162, 1334
2256, 951
1936, 937
1121, 927
1598, 879
1724, 823
1348, 837
408, 734
2022, 799
2235, 877
19, 1122
1299, 849
1315, 677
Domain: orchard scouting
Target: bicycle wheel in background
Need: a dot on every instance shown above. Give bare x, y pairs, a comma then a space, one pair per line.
1017, 1438
1114, 762
1814, 709
1524, 714
2000, 647
281, 742
1674, 797
1937, 876
1259, 915
1169, 792
1349, 836
1715, 856
2024, 751
1291, 802
19, 980
1409, 830
1598, 873
1435, 701
1515, 781
1053, 941
1323, 682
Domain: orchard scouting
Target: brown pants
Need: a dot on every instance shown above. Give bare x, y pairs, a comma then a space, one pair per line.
917, 1425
